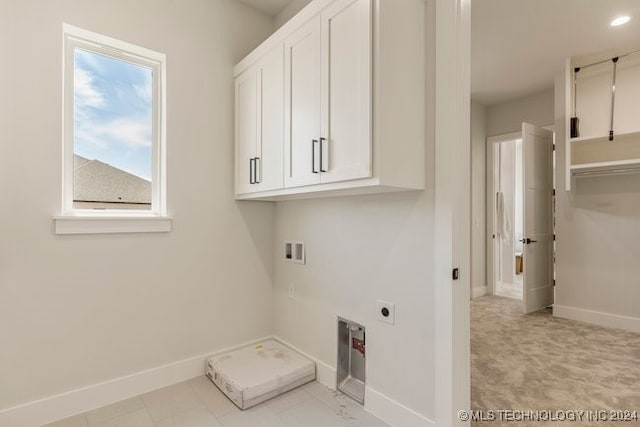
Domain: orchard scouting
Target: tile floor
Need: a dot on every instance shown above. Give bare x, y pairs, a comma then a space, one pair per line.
199, 403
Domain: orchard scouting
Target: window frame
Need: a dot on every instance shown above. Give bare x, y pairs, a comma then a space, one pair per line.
77, 38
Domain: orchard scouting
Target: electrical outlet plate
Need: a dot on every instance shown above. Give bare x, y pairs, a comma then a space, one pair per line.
386, 312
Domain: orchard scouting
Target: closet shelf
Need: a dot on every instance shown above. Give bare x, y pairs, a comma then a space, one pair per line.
606, 168
592, 154
605, 138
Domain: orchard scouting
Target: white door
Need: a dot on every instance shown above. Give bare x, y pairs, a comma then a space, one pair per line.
302, 106
346, 91
270, 145
246, 127
537, 150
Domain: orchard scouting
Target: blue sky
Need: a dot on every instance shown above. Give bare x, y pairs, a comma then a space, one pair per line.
113, 112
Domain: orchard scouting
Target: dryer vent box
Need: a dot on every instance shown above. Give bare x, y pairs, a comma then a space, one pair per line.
351, 359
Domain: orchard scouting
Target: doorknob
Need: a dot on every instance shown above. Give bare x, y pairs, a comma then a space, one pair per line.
528, 241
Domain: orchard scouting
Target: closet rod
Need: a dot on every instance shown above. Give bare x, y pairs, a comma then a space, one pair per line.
576, 69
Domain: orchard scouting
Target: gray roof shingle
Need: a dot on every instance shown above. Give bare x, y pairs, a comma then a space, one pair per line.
94, 181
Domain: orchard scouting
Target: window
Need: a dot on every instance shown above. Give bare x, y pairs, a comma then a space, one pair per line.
114, 131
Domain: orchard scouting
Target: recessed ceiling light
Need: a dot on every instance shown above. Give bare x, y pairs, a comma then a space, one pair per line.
620, 20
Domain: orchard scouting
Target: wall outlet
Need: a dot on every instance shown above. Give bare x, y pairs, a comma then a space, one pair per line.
386, 312
292, 291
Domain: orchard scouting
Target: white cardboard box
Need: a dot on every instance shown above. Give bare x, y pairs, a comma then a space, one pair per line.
251, 375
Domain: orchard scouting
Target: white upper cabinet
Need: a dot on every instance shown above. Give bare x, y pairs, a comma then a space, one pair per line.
269, 167
302, 105
328, 96
343, 111
259, 125
345, 140
246, 129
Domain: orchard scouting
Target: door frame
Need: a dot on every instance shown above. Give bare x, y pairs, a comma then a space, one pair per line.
451, 60
490, 202
491, 217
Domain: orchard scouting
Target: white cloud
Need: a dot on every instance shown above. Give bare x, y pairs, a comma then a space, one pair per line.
86, 94
128, 132
84, 134
90, 59
143, 91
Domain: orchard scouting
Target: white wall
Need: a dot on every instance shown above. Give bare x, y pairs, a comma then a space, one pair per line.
359, 250
598, 242
289, 11
478, 199
76, 310
508, 117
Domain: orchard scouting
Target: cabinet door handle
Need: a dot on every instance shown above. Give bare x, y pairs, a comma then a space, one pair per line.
322, 169
255, 170
313, 155
251, 171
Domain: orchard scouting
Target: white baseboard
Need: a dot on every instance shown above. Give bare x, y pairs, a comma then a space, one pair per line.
478, 291
388, 410
392, 412
597, 318
325, 373
43, 411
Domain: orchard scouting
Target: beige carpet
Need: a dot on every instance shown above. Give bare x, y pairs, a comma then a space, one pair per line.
538, 362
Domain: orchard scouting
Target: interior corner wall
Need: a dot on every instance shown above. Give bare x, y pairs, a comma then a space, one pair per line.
508, 117
289, 11
478, 198
598, 242
361, 249
78, 310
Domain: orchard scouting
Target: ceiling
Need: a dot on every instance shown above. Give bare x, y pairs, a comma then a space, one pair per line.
270, 7
518, 46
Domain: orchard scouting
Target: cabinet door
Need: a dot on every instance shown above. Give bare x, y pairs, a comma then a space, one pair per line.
302, 105
346, 90
246, 126
269, 155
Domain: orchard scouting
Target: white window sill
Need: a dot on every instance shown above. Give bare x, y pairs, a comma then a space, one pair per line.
111, 225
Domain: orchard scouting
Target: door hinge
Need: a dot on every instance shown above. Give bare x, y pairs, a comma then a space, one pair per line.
554, 237
554, 191
455, 274
554, 147
554, 282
